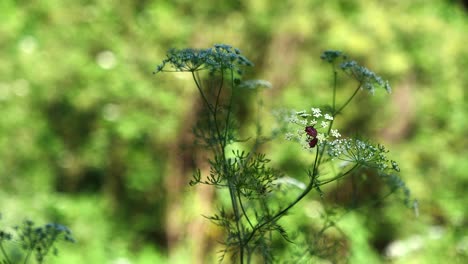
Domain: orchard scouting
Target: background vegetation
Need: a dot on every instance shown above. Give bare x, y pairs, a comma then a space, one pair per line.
91, 139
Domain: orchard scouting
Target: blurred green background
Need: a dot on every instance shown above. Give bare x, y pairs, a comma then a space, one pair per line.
91, 139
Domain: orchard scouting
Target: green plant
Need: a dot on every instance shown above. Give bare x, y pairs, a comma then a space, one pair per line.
38, 241
251, 221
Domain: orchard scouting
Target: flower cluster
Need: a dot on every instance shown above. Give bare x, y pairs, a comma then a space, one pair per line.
366, 77
216, 59
42, 239
308, 135
360, 152
331, 55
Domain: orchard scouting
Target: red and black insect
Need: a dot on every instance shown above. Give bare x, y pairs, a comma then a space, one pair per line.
311, 136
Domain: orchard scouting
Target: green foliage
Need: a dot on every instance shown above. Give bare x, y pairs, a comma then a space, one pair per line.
252, 219
87, 136
37, 241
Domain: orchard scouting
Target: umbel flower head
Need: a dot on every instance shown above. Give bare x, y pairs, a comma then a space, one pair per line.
219, 58
313, 125
361, 152
366, 77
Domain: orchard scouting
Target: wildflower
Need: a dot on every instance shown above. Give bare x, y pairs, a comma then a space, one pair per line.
321, 137
293, 119
395, 165
303, 122
335, 133
366, 77
316, 112
328, 117
217, 59
331, 55
360, 152
289, 136
324, 124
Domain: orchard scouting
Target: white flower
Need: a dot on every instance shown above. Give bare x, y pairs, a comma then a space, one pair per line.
324, 124
313, 122
289, 136
328, 117
316, 112
321, 137
293, 119
335, 133
303, 122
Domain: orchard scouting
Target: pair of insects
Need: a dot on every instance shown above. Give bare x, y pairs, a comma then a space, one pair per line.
311, 136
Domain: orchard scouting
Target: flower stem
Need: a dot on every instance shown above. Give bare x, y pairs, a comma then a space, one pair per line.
291, 205
335, 74
7, 260
348, 101
339, 176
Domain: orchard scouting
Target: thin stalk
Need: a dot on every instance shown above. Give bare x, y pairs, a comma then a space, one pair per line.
33, 245
244, 212
330, 125
339, 176
201, 93
222, 146
229, 107
8, 261
27, 257
219, 93
232, 188
210, 110
235, 207
291, 205
335, 74
349, 100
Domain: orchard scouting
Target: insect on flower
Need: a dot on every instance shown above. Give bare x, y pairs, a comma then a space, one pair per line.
313, 142
311, 131
312, 136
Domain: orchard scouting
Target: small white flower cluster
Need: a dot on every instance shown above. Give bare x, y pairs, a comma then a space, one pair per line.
360, 152
310, 118
335, 133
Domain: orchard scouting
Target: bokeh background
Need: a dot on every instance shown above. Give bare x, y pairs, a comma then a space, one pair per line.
91, 139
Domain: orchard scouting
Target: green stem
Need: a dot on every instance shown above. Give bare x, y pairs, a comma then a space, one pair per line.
347, 102
339, 176
232, 188
27, 257
232, 194
201, 93
335, 74
244, 212
229, 107
219, 93
291, 205
8, 261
